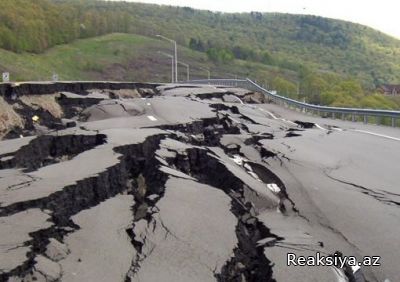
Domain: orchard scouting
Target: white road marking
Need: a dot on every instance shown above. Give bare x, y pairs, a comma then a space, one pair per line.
148, 104
336, 128
379, 135
237, 98
320, 127
151, 118
268, 112
274, 117
293, 123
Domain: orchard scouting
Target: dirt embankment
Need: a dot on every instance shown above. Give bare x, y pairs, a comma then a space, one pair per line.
9, 118
45, 102
22, 116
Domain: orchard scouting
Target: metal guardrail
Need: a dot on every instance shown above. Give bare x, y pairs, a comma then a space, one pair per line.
325, 111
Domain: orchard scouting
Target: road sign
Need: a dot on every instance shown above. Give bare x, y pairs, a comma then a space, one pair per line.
6, 77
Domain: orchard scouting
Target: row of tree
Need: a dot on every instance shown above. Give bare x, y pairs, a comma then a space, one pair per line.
34, 26
331, 90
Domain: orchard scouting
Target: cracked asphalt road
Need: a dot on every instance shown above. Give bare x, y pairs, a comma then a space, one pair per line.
190, 183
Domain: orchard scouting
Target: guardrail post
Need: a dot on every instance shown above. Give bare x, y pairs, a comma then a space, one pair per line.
333, 115
353, 118
365, 119
393, 122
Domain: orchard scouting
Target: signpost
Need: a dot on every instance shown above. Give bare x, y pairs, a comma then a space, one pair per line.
6, 77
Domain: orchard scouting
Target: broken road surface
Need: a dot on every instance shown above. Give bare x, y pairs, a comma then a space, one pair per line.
191, 183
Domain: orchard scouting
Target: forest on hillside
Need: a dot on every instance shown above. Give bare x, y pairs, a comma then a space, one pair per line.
337, 63
286, 40
34, 26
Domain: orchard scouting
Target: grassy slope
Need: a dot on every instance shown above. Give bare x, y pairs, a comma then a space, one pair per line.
122, 57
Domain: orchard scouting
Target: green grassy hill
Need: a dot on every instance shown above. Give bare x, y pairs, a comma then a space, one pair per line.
124, 57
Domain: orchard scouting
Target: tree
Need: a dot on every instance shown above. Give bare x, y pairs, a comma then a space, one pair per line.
196, 44
284, 87
220, 55
267, 59
312, 87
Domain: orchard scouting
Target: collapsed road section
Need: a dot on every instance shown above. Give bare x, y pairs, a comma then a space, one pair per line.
159, 183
